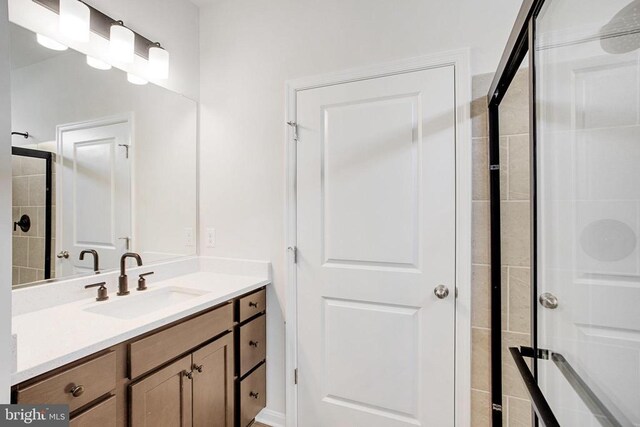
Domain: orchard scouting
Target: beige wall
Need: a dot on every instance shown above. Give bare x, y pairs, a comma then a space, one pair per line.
514, 183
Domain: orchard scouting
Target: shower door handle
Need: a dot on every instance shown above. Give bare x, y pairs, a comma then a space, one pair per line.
63, 254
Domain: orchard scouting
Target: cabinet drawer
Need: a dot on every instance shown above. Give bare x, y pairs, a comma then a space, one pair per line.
253, 304
157, 349
91, 380
253, 343
253, 395
103, 415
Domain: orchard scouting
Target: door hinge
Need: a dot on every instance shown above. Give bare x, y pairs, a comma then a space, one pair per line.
294, 252
126, 147
494, 167
295, 376
496, 407
294, 125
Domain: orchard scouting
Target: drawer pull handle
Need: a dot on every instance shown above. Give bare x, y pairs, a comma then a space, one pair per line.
253, 304
188, 374
76, 390
254, 343
198, 368
254, 394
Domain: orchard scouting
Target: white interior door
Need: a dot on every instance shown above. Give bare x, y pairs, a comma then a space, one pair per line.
376, 236
95, 205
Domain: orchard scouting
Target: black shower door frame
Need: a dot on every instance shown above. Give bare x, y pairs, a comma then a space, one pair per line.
521, 42
48, 158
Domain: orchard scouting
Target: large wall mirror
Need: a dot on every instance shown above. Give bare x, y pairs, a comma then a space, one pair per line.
101, 166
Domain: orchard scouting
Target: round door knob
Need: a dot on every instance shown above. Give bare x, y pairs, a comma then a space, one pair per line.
548, 300
441, 291
77, 390
63, 254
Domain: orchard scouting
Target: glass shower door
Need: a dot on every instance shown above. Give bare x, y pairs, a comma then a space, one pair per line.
588, 212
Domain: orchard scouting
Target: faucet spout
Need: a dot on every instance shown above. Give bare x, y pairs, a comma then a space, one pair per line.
96, 259
123, 282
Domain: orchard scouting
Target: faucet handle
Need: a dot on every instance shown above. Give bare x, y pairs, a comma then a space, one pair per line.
102, 290
142, 281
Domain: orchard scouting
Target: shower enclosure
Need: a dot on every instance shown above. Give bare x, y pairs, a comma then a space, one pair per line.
583, 365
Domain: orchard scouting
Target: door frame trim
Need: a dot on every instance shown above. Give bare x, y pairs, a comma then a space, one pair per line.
460, 60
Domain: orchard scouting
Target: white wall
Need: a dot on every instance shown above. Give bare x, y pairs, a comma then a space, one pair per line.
249, 48
5, 208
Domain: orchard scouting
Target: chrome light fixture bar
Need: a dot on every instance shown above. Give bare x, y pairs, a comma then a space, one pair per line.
101, 23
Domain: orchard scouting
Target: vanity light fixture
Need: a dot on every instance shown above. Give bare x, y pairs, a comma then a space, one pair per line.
136, 80
121, 43
50, 43
75, 20
158, 62
98, 64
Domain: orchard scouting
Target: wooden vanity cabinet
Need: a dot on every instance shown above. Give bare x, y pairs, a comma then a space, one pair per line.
205, 370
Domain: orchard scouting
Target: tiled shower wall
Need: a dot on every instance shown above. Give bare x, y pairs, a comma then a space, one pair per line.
29, 198
514, 182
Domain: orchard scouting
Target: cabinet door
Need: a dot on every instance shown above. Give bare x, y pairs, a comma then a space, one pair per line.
213, 384
163, 399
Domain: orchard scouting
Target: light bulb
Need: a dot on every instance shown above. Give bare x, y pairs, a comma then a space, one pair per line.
136, 80
50, 43
158, 63
75, 20
98, 63
121, 44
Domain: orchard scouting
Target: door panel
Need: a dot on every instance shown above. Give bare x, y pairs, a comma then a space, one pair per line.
213, 387
95, 168
376, 230
163, 398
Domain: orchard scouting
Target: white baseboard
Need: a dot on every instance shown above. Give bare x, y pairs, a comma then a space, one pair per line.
271, 418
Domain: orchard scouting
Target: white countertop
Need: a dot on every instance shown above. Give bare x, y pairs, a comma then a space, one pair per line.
54, 336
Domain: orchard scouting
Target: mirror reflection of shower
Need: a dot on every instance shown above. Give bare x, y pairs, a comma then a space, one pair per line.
32, 212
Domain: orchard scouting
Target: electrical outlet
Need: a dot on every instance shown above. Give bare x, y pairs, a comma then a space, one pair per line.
188, 236
211, 237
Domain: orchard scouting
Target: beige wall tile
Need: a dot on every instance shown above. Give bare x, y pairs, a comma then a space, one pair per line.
519, 413
36, 252
514, 108
15, 276
33, 166
28, 275
519, 299
20, 251
41, 222
16, 166
512, 384
479, 116
480, 233
480, 296
515, 229
20, 188
519, 167
480, 359
480, 169
504, 168
36, 190
480, 408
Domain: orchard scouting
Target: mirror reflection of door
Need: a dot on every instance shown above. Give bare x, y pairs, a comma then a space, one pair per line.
94, 202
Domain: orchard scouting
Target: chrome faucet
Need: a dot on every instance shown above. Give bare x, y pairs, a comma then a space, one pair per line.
123, 283
96, 259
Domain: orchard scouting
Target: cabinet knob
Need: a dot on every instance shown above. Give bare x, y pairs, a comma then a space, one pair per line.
198, 368
254, 343
188, 374
254, 394
76, 390
253, 304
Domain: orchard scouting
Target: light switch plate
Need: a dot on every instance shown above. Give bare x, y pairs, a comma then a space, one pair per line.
188, 236
211, 237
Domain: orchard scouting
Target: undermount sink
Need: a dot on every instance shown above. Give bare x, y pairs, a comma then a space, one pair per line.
143, 303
